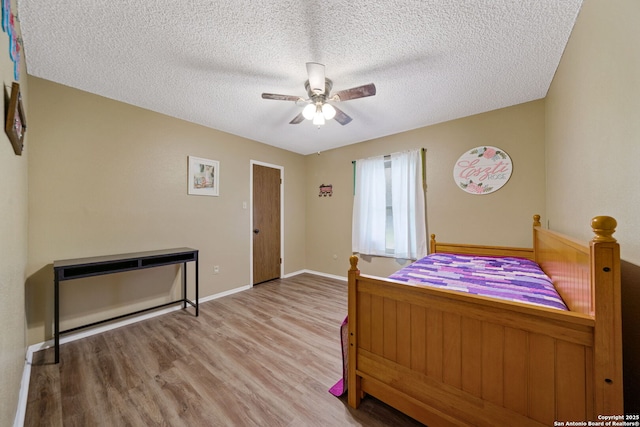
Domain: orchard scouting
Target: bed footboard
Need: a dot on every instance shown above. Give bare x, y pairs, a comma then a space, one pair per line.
445, 359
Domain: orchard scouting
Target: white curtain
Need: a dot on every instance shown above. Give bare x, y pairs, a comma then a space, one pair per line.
408, 205
409, 225
369, 207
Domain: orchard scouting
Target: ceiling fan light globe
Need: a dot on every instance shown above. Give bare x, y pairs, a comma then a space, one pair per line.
318, 119
328, 111
309, 111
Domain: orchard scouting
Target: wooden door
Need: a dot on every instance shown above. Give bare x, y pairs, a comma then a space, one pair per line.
266, 223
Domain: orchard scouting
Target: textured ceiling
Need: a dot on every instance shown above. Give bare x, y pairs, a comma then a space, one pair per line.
208, 61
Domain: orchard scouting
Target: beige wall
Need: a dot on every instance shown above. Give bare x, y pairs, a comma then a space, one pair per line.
111, 178
593, 125
593, 148
13, 248
503, 217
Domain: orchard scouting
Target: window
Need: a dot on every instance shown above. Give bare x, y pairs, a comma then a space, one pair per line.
389, 243
389, 206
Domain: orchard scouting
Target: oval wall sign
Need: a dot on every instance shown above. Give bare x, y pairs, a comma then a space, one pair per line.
482, 170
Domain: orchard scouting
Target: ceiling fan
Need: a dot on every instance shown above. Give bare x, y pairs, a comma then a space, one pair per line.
317, 107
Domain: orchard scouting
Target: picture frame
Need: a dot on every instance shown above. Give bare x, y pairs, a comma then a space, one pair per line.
16, 122
203, 176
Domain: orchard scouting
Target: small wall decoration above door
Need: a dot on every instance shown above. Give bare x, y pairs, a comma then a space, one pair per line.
482, 170
326, 190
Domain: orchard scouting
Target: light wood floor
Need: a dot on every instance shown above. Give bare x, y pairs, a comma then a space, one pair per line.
262, 357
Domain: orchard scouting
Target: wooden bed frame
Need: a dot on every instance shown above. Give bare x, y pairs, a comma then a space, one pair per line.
450, 358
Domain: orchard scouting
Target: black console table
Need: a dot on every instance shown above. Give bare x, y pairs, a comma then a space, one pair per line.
95, 266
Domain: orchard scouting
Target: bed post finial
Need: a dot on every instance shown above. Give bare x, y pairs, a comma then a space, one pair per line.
536, 221
603, 227
353, 260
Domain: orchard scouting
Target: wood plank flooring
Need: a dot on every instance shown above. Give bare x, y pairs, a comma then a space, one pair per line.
262, 357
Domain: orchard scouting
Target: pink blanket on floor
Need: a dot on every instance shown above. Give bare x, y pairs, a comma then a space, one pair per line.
340, 387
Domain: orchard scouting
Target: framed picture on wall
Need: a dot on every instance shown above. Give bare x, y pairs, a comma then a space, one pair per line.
16, 123
204, 176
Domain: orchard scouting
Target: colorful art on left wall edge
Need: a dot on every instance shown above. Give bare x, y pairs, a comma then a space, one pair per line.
8, 26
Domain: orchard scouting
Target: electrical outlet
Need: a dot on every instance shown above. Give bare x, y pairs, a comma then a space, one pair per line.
216, 269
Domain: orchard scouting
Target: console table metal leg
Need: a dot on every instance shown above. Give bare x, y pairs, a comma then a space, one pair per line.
56, 318
197, 304
184, 285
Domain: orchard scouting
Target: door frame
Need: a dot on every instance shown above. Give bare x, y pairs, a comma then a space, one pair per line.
281, 169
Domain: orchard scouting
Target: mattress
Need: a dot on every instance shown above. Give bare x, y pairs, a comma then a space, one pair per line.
507, 278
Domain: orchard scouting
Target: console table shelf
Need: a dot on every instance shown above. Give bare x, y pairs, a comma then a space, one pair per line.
96, 266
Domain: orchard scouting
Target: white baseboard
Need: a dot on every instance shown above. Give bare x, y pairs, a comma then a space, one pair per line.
26, 373
24, 390
224, 294
317, 273
295, 273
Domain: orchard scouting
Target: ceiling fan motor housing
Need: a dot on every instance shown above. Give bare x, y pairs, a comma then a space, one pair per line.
328, 85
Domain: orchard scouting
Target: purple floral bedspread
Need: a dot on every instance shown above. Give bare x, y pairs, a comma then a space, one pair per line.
510, 278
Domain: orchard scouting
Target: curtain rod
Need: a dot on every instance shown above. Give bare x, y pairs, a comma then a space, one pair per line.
386, 155
424, 169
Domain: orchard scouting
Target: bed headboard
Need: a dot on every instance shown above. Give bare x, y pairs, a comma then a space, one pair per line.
457, 248
568, 261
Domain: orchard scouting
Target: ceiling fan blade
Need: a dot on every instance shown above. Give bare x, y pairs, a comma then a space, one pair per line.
278, 97
355, 92
341, 117
297, 119
315, 72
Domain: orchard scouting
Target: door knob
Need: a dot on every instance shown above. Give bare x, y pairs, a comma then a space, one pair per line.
256, 231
